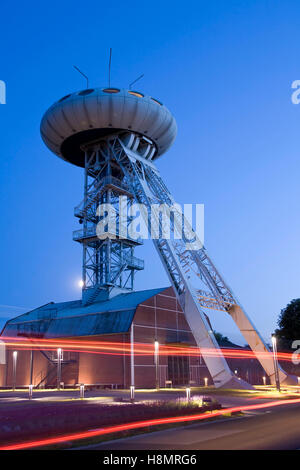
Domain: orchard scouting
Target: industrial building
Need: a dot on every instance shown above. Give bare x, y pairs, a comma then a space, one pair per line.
143, 317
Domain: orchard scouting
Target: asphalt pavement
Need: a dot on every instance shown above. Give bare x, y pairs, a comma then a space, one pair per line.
269, 429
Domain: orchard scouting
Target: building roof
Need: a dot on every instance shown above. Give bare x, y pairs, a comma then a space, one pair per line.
67, 319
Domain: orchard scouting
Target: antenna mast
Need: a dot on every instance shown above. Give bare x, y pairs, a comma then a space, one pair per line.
83, 74
109, 66
132, 83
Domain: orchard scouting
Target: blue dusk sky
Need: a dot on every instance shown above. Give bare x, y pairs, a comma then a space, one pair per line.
224, 69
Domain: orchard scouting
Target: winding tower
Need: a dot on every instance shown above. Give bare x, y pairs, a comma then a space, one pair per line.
116, 135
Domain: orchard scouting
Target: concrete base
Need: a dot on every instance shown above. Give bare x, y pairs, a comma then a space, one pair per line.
237, 383
290, 380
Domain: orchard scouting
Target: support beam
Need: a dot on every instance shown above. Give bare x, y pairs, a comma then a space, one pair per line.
148, 188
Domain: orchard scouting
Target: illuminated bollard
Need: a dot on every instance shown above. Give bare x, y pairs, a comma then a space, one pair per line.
30, 388
188, 394
132, 390
205, 381
82, 391
265, 380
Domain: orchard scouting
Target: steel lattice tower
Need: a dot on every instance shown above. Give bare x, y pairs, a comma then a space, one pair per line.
109, 263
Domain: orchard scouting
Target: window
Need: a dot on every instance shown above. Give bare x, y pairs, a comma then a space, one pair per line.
86, 92
136, 93
64, 98
156, 101
111, 90
178, 370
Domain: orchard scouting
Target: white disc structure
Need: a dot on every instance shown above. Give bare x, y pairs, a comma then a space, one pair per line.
89, 114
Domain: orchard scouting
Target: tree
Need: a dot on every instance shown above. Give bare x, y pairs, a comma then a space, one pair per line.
289, 324
221, 339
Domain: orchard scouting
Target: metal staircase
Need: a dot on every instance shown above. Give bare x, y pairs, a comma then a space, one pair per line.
51, 373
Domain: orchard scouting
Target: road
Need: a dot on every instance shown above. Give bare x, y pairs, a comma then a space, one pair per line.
277, 428
274, 428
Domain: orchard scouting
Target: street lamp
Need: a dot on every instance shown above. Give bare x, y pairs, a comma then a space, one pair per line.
59, 351
275, 359
15, 356
264, 380
205, 381
31, 366
156, 360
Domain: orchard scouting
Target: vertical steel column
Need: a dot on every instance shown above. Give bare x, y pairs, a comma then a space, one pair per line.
85, 220
132, 378
59, 351
108, 248
156, 359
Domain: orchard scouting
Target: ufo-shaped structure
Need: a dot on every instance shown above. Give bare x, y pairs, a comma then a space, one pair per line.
87, 115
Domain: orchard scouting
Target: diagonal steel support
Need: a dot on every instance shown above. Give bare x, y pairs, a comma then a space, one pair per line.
148, 188
172, 254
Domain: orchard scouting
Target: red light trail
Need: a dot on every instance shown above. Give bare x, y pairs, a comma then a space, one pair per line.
143, 349
142, 424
